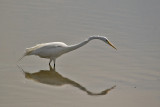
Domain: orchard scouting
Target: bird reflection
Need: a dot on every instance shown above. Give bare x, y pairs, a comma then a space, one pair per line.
51, 77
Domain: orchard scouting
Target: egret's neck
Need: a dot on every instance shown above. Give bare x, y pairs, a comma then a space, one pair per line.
76, 46
73, 47
94, 37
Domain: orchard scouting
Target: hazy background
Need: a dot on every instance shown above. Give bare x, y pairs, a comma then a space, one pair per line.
133, 26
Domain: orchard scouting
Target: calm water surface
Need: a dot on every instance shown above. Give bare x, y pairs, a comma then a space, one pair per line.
94, 75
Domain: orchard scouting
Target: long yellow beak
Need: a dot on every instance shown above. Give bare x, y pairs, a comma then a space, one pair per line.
112, 45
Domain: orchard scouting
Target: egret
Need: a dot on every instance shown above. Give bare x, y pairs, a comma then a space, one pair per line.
53, 50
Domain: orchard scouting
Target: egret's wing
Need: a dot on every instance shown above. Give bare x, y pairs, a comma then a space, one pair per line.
51, 45
45, 47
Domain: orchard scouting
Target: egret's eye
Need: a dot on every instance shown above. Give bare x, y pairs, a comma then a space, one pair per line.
106, 40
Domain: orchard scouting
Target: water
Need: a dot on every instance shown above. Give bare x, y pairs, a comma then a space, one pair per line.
82, 75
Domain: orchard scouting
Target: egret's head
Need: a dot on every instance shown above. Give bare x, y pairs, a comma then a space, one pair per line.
107, 41
103, 38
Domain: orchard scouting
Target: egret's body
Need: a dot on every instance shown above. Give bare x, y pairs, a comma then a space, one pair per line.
53, 50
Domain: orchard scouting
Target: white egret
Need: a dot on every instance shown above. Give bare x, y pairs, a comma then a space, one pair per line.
53, 50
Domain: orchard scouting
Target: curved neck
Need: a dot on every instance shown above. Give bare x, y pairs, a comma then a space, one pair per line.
73, 47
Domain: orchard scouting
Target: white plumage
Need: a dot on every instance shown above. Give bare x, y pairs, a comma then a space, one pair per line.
46, 50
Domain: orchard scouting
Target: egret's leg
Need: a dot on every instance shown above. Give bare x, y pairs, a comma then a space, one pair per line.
50, 61
50, 67
54, 63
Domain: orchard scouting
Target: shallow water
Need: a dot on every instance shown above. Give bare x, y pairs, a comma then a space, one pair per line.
87, 76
